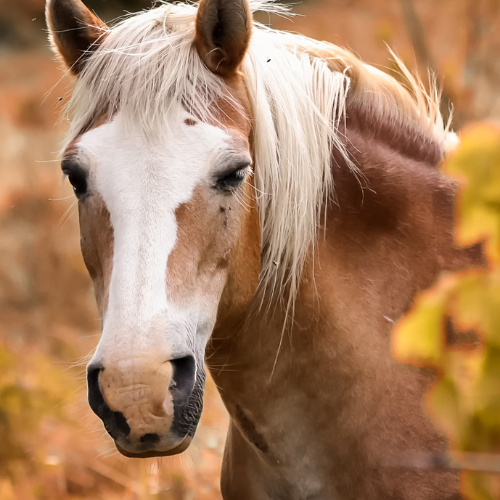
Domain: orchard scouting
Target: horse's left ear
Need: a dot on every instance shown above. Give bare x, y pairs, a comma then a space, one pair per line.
75, 32
223, 30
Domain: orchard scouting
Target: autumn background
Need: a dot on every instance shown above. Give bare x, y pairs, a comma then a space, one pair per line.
51, 445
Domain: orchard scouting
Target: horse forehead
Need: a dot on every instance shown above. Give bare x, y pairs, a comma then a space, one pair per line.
120, 138
125, 160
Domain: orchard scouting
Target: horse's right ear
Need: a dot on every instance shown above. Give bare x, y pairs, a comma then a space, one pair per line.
75, 32
223, 30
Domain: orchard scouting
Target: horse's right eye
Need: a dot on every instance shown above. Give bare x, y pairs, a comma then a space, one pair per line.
77, 177
79, 183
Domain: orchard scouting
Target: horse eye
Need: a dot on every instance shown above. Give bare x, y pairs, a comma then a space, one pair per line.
78, 179
233, 179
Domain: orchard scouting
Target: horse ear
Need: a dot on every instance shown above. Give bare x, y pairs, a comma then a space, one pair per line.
223, 29
75, 32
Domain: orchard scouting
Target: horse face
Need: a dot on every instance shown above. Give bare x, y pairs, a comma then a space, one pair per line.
170, 237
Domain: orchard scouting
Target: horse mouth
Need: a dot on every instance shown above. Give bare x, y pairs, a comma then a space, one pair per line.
182, 446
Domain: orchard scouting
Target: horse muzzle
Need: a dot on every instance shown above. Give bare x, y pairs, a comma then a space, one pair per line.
146, 405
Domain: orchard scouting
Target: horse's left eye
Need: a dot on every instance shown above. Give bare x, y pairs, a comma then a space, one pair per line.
233, 179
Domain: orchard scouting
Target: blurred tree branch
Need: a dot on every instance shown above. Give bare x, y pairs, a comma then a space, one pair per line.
481, 74
474, 33
424, 57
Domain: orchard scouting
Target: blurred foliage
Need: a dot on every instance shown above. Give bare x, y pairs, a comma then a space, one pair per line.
32, 394
465, 402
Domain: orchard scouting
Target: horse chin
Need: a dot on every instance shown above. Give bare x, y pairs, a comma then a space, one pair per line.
182, 446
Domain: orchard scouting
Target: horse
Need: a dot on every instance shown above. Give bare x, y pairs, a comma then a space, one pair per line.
267, 206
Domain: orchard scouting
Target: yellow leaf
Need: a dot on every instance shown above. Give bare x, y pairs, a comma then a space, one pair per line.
418, 337
476, 163
475, 304
444, 404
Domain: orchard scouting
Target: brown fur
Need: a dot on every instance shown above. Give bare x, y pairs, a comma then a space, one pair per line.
96, 233
406, 140
336, 408
97, 243
223, 29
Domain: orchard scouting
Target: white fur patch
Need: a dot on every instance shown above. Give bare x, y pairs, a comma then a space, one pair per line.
142, 184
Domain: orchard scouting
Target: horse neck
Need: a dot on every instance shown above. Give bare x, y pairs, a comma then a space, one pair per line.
377, 218
387, 235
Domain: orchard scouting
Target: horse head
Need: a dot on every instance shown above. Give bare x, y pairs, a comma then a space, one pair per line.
168, 219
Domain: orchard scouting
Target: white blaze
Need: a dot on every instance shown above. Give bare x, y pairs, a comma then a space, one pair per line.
142, 184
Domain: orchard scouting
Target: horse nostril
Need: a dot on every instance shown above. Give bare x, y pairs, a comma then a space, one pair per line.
96, 400
183, 379
114, 421
121, 423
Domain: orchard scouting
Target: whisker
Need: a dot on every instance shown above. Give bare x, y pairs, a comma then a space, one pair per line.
67, 215
61, 199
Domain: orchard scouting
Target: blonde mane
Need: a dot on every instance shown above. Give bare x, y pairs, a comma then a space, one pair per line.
299, 90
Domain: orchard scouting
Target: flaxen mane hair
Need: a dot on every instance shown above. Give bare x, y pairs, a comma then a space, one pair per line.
299, 90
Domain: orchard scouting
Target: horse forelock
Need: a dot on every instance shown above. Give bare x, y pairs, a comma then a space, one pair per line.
300, 91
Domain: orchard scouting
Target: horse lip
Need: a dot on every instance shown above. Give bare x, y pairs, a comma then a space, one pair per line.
182, 446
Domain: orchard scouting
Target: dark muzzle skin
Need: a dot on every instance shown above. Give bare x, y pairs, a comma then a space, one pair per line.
149, 409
